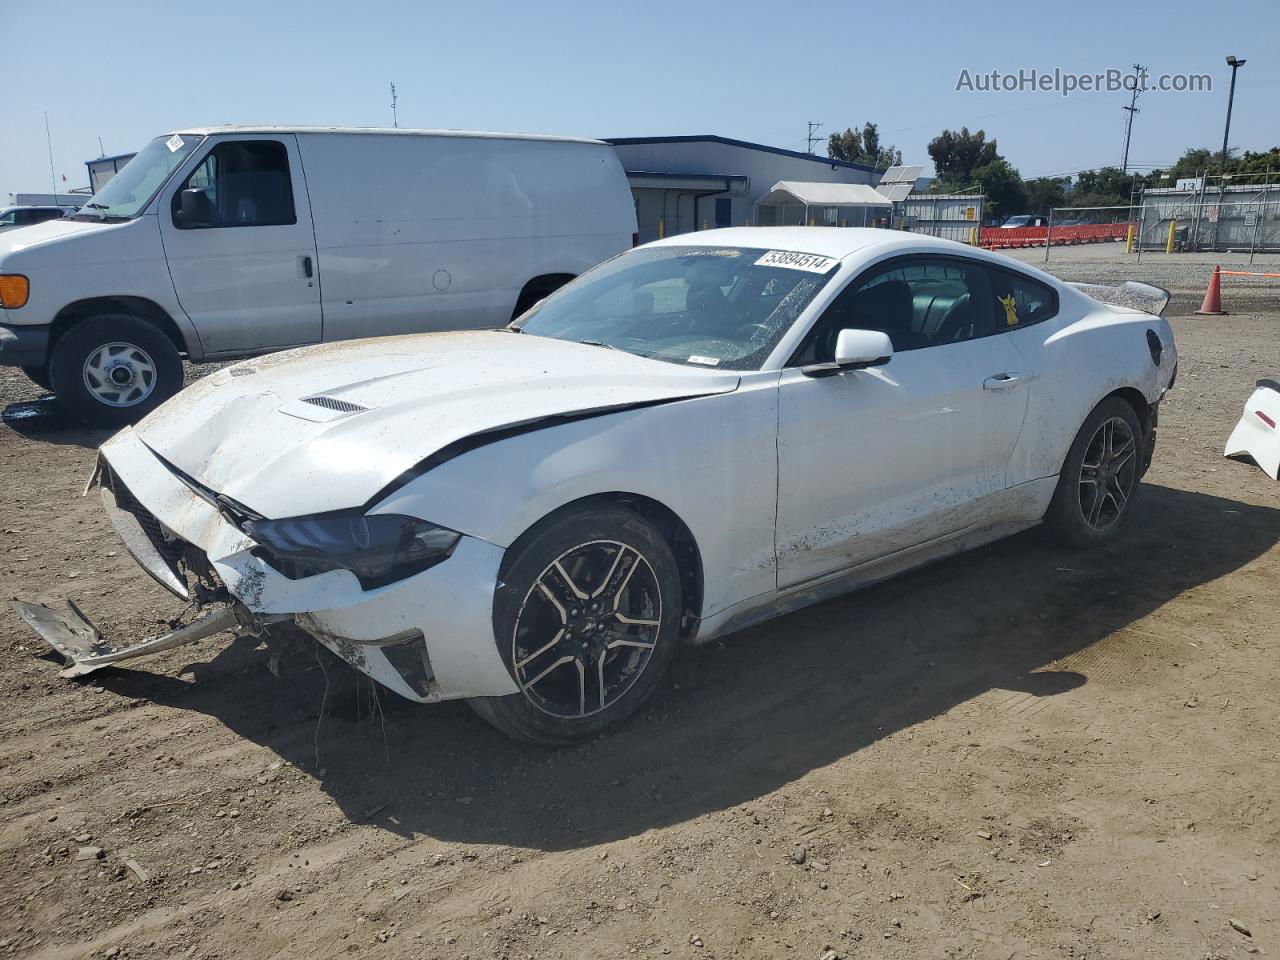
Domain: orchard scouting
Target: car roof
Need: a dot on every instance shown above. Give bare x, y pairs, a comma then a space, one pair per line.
844, 242
838, 242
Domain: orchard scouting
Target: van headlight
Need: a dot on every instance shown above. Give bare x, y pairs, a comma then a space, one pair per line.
378, 549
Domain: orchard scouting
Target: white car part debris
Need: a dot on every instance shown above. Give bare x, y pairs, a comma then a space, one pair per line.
74, 636
1257, 434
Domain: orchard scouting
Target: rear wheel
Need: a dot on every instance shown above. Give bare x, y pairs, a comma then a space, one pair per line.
586, 618
1100, 476
113, 369
538, 289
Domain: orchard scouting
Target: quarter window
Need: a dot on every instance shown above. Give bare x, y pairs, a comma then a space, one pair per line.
921, 302
1021, 301
247, 185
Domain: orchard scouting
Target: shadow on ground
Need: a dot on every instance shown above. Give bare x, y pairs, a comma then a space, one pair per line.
45, 420
740, 718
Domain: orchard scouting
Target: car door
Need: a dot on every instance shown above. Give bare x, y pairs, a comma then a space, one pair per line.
244, 266
873, 462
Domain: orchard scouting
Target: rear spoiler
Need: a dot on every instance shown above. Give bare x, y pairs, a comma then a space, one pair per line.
1145, 297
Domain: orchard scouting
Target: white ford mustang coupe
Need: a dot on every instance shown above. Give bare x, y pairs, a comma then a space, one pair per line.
695, 436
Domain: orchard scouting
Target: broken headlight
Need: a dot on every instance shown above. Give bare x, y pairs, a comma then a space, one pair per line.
378, 549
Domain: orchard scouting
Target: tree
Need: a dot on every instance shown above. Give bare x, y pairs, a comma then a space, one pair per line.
1045, 193
1105, 187
1002, 186
863, 146
957, 155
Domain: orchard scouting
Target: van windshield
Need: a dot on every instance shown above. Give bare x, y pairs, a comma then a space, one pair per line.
130, 190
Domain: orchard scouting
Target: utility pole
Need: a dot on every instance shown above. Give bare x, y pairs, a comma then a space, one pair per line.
1235, 65
813, 133
1138, 72
395, 121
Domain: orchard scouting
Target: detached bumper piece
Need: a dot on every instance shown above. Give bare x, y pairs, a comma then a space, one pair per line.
1257, 435
74, 636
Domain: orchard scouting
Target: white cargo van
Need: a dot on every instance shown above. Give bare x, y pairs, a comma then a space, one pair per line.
222, 242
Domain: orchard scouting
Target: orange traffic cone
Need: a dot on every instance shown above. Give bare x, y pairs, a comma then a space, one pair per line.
1212, 306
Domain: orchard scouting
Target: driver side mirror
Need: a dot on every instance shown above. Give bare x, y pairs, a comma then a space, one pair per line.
862, 348
855, 350
194, 209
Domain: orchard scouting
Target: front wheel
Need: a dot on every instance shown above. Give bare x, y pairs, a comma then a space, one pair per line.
586, 617
39, 376
1099, 478
113, 369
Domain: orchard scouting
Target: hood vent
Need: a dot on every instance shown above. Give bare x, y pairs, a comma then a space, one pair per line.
321, 409
334, 404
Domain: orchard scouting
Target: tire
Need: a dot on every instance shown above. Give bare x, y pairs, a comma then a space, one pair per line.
39, 376
88, 359
600, 670
534, 292
1096, 489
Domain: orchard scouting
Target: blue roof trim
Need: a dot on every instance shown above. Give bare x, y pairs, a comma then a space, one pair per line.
685, 176
745, 144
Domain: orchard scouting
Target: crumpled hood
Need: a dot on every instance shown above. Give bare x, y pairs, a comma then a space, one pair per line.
248, 432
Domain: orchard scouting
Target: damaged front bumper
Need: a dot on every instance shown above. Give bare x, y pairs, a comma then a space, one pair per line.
74, 636
428, 637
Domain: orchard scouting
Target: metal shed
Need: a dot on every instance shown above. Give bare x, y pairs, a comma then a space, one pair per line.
686, 183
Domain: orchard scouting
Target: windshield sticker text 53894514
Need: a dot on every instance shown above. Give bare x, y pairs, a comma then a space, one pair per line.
810, 262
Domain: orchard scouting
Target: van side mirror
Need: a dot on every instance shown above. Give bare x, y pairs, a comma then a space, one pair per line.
194, 209
855, 350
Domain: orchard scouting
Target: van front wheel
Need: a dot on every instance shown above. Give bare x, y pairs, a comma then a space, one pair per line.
111, 370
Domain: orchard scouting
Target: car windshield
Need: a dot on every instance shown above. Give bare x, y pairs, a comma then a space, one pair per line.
125, 194
723, 307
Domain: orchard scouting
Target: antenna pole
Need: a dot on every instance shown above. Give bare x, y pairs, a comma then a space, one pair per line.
395, 121
48, 139
813, 137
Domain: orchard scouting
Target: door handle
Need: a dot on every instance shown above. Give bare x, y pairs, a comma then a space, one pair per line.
1002, 381
306, 267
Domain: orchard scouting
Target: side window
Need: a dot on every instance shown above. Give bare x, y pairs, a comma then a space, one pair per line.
246, 184
920, 302
1020, 301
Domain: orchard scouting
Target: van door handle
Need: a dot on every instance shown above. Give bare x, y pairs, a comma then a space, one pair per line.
306, 267
1002, 381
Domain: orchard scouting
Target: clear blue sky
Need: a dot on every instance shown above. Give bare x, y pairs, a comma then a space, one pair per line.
127, 70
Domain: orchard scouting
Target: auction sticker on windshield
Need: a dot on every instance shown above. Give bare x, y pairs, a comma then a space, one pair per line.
174, 143
809, 262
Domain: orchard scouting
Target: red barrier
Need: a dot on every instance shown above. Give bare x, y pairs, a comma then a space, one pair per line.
1001, 238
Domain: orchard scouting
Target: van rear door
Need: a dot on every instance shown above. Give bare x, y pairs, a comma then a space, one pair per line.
241, 250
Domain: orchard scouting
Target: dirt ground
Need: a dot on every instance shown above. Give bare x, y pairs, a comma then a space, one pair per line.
1020, 752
